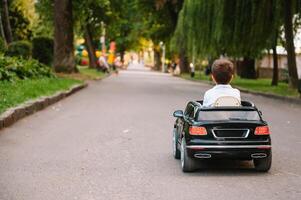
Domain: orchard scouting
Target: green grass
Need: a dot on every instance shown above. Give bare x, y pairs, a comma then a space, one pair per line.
198, 76
15, 93
91, 73
258, 85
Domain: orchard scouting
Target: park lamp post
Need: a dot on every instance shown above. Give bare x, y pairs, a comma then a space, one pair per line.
162, 45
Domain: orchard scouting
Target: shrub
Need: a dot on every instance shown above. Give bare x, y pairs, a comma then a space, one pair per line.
42, 49
12, 68
6, 75
2, 46
19, 49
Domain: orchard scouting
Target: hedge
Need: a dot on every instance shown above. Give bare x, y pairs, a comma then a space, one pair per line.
42, 49
20, 48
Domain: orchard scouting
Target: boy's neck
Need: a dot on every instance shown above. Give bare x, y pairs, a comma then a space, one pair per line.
222, 84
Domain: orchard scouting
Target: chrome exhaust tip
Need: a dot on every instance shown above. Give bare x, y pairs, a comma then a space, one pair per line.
202, 155
258, 155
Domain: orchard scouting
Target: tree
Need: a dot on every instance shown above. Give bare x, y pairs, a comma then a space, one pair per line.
44, 25
20, 24
90, 46
64, 60
160, 19
275, 76
289, 38
125, 25
2, 30
235, 28
6, 23
88, 17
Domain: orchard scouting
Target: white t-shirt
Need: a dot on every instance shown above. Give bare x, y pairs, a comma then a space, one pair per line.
219, 91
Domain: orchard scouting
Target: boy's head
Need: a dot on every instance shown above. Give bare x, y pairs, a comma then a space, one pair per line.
222, 71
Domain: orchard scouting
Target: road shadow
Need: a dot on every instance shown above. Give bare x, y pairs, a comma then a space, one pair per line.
225, 168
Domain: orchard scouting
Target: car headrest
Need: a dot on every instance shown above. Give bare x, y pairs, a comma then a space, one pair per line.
227, 101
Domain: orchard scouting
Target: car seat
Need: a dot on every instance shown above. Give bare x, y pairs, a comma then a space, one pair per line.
227, 101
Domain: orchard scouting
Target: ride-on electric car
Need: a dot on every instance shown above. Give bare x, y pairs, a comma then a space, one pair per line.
234, 132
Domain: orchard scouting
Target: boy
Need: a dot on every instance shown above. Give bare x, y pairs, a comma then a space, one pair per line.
222, 75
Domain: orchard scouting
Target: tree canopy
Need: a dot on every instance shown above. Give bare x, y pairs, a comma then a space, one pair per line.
232, 27
236, 28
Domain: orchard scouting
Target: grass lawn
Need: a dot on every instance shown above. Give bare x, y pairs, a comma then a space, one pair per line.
258, 85
85, 73
91, 73
15, 93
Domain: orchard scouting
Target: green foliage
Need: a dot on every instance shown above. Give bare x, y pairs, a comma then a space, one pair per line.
160, 18
13, 68
124, 23
233, 27
42, 49
20, 23
89, 14
2, 46
19, 49
44, 25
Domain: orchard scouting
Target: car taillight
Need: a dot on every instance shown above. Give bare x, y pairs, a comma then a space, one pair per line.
262, 130
197, 130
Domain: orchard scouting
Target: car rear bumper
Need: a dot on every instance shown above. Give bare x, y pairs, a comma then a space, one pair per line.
246, 152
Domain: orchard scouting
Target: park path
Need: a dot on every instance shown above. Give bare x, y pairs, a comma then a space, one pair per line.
113, 141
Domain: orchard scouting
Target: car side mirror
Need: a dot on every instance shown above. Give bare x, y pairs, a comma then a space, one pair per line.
178, 114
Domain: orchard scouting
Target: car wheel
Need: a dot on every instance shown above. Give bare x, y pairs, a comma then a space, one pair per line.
187, 163
263, 164
176, 151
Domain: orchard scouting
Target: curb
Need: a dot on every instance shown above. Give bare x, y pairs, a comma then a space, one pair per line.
12, 115
268, 95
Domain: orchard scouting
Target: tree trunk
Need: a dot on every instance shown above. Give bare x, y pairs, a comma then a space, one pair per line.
1, 29
184, 64
64, 60
275, 67
290, 47
248, 68
90, 47
157, 58
122, 52
6, 23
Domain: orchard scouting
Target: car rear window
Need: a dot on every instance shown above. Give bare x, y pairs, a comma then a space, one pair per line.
228, 115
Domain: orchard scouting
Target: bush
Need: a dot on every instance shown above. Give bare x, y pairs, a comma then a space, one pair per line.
19, 49
42, 49
12, 68
2, 46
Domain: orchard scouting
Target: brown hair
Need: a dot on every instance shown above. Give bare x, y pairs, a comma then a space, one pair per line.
222, 71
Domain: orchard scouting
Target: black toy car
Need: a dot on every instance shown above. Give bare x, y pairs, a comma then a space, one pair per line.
221, 132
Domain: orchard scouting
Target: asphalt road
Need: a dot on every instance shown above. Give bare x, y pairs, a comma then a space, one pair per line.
113, 141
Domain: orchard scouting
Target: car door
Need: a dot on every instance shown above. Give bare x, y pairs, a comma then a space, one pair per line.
188, 117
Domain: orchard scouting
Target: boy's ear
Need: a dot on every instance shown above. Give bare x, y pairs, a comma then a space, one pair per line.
232, 77
213, 79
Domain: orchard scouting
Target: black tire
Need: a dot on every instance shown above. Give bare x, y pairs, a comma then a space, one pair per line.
176, 151
263, 164
187, 163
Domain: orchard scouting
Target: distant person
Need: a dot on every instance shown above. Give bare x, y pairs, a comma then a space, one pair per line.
103, 63
192, 70
222, 74
173, 66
